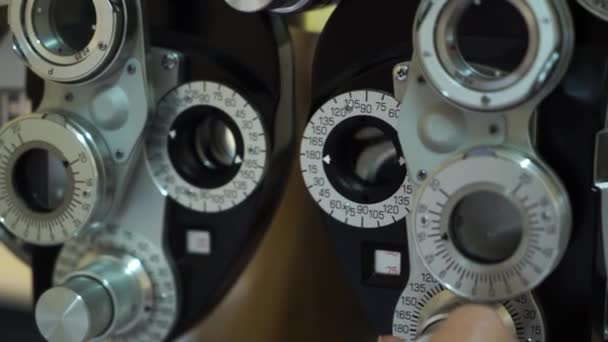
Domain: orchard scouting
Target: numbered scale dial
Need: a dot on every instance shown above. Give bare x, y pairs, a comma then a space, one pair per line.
423, 295
159, 314
49, 209
207, 149
597, 7
491, 224
352, 163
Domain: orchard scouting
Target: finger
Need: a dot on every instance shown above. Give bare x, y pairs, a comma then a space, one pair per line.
473, 323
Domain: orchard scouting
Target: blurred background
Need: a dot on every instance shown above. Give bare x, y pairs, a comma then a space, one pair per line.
292, 290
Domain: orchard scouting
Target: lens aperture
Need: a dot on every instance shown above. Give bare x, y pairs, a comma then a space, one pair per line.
486, 227
41, 179
64, 27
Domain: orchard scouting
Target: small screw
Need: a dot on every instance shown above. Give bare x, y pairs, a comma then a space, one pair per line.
102, 46
131, 69
421, 80
69, 97
421, 175
119, 154
170, 60
350, 107
401, 73
494, 129
485, 100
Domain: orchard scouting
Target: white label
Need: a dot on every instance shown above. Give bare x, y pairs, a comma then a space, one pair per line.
199, 242
387, 262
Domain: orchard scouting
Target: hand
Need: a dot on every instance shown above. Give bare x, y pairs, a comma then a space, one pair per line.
472, 323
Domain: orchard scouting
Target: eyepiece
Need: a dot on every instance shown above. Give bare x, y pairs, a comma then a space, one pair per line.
68, 41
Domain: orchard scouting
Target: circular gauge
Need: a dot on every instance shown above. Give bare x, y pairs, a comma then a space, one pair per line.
68, 40
491, 224
598, 8
423, 301
352, 162
152, 321
207, 149
459, 80
50, 179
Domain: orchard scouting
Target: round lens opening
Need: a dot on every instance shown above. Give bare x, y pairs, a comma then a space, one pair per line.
363, 160
215, 143
494, 21
42, 180
486, 227
65, 27
205, 147
374, 155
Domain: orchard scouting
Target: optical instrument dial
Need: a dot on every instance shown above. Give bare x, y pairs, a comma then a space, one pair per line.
491, 224
207, 148
351, 161
53, 210
424, 304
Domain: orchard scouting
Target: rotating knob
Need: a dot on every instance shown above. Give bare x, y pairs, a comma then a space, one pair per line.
107, 297
425, 305
79, 310
438, 309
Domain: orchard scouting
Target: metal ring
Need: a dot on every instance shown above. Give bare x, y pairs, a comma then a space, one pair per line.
157, 322
83, 166
253, 161
530, 187
322, 125
73, 66
123, 277
456, 80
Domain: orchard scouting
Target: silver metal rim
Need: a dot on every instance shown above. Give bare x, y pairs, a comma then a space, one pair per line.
81, 65
453, 61
140, 276
69, 142
453, 78
531, 187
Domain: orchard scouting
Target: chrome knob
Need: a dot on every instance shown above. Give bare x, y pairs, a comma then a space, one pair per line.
76, 311
108, 296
